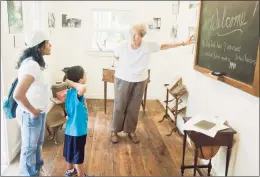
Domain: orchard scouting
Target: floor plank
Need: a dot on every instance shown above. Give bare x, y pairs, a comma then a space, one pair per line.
155, 155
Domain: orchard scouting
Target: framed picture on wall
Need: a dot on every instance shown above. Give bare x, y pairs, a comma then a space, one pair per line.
157, 23
175, 7
70, 22
174, 31
51, 20
15, 16
192, 32
193, 13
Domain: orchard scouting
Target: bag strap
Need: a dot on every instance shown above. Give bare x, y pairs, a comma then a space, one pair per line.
13, 87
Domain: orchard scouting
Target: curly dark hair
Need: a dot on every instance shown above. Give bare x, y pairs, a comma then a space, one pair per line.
34, 53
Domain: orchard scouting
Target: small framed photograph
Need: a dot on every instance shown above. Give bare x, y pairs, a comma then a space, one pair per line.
175, 8
174, 31
157, 23
192, 32
15, 16
51, 20
70, 22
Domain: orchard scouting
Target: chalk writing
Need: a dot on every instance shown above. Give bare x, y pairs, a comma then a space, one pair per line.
228, 38
221, 45
233, 23
216, 56
232, 65
245, 58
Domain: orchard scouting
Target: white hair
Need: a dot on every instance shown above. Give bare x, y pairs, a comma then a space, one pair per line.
140, 28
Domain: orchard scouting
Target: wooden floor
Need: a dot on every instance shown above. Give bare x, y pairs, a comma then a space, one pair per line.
155, 155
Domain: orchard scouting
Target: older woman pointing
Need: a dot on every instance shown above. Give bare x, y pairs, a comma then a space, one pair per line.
131, 79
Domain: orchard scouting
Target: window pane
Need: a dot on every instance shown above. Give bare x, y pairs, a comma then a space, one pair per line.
110, 28
107, 40
122, 20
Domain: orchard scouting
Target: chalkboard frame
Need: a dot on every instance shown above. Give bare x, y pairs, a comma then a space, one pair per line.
251, 89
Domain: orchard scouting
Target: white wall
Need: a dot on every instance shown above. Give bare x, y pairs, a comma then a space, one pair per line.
9, 57
71, 47
208, 96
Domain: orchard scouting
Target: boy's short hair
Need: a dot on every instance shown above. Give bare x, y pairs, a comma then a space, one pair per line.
75, 73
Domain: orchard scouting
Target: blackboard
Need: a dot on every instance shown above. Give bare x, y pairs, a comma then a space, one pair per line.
228, 41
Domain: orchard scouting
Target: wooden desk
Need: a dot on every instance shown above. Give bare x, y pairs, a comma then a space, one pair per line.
222, 138
109, 76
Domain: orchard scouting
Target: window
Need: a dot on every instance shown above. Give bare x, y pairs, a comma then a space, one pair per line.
110, 28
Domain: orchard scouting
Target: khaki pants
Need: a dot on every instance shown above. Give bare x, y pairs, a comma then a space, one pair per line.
128, 99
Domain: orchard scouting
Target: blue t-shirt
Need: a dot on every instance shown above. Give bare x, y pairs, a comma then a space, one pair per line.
77, 123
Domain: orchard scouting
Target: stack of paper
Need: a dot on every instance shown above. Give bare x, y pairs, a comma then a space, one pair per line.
207, 125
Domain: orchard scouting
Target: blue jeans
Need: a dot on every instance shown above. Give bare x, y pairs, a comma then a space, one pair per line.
32, 133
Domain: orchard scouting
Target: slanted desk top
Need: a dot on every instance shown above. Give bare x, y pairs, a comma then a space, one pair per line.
222, 138
229, 130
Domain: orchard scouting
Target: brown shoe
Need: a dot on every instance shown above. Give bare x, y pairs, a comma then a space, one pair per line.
133, 137
114, 137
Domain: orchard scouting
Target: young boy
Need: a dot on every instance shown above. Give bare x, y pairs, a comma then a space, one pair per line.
77, 124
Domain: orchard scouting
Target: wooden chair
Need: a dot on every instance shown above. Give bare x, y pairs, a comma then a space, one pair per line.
56, 117
55, 120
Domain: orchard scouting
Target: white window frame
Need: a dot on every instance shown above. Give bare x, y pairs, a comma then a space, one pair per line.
94, 29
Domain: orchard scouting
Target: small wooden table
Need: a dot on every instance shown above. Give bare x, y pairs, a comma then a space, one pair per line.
222, 138
109, 76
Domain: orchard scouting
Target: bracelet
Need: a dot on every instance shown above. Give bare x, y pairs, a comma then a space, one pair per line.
182, 44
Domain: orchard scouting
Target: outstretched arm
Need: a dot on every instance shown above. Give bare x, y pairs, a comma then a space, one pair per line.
177, 44
81, 88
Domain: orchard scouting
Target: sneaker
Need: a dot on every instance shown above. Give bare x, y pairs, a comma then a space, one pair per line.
114, 137
74, 173
133, 137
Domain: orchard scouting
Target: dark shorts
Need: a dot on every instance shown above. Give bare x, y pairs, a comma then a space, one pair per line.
74, 149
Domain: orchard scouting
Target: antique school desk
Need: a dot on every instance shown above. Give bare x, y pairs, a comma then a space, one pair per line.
108, 76
222, 138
